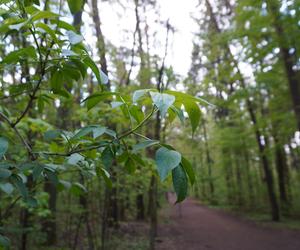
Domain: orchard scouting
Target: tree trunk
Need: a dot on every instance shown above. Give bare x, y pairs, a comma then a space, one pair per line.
140, 207
258, 135
288, 59
208, 162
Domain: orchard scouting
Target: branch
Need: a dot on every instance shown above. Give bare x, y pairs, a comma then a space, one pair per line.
26, 144
81, 150
139, 125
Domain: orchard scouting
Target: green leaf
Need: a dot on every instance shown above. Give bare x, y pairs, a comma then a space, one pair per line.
78, 189
104, 77
18, 181
31, 2
98, 131
4, 241
144, 144
166, 160
138, 159
111, 133
52, 176
162, 101
137, 113
94, 99
47, 30
116, 104
4, 173
37, 171
43, 15
7, 188
180, 183
138, 94
57, 80
106, 177
67, 52
3, 146
178, 112
188, 169
83, 132
182, 97
91, 64
63, 25
194, 113
52, 135
17, 26
75, 5
107, 157
130, 165
73, 37
64, 185
74, 159
31, 202
20, 54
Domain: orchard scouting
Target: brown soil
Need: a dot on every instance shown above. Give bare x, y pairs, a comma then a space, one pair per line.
191, 226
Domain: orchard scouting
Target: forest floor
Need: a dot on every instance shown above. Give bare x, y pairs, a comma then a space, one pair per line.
192, 226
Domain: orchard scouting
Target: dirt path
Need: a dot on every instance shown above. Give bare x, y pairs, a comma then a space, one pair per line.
195, 227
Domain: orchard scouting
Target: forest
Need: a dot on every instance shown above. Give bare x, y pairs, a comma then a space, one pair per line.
149, 124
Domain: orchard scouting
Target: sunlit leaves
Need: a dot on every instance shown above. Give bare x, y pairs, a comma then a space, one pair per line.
166, 160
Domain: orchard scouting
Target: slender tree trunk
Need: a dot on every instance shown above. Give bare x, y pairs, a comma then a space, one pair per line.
289, 60
100, 38
83, 200
239, 181
261, 146
282, 172
140, 207
208, 162
49, 224
153, 210
249, 177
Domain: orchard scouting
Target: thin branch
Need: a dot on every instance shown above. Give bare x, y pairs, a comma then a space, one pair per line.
139, 125
26, 144
81, 150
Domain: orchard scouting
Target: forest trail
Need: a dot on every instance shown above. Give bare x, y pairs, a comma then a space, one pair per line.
191, 226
